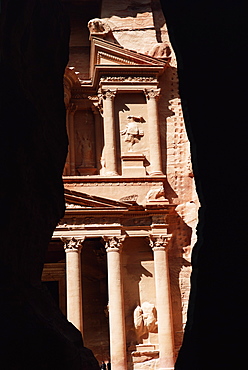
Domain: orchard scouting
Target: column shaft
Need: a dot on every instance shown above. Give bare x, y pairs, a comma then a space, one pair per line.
71, 135
116, 306
110, 151
163, 301
74, 283
154, 132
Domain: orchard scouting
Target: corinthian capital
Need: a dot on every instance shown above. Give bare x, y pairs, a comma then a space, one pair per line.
114, 243
159, 242
152, 93
72, 107
72, 244
109, 94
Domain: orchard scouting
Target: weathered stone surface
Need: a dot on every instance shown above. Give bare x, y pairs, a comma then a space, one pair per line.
34, 53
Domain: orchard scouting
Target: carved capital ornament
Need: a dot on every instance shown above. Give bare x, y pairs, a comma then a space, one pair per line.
152, 93
73, 244
109, 94
114, 243
159, 242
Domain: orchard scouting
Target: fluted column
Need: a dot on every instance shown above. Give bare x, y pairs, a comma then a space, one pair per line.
110, 151
159, 245
116, 303
74, 281
152, 96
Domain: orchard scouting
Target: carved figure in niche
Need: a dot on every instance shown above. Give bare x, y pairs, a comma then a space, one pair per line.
145, 320
160, 50
132, 131
97, 25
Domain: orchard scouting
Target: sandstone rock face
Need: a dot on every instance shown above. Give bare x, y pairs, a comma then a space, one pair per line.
34, 53
217, 309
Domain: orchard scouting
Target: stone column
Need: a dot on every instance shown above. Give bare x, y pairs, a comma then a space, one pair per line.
98, 135
74, 281
154, 132
159, 245
116, 303
110, 151
66, 171
71, 135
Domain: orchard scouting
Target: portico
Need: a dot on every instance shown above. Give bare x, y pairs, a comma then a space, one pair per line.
90, 220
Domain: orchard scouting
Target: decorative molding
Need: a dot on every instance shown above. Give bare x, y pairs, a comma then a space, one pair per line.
112, 57
159, 242
72, 244
127, 79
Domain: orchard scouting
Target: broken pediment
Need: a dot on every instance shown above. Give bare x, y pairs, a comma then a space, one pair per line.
78, 200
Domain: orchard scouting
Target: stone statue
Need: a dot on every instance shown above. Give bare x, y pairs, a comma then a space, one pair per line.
160, 50
97, 25
132, 131
145, 319
155, 193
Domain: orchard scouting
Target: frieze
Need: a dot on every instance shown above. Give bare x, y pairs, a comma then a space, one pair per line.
144, 221
92, 184
127, 79
79, 221
132, 198
158, 219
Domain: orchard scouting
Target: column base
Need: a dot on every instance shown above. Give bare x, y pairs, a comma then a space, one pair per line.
110, 173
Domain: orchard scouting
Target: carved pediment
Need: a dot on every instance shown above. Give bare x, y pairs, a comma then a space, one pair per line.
105, 53
78, 200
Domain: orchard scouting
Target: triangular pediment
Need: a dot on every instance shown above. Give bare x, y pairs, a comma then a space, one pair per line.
108, 53
75, 199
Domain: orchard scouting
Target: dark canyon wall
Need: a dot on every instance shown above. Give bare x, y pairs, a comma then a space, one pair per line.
209, 38
34, 53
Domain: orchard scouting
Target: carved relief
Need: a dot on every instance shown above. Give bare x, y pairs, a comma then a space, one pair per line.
132, 131
132, 198
155, 193
145, 320
85, 142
